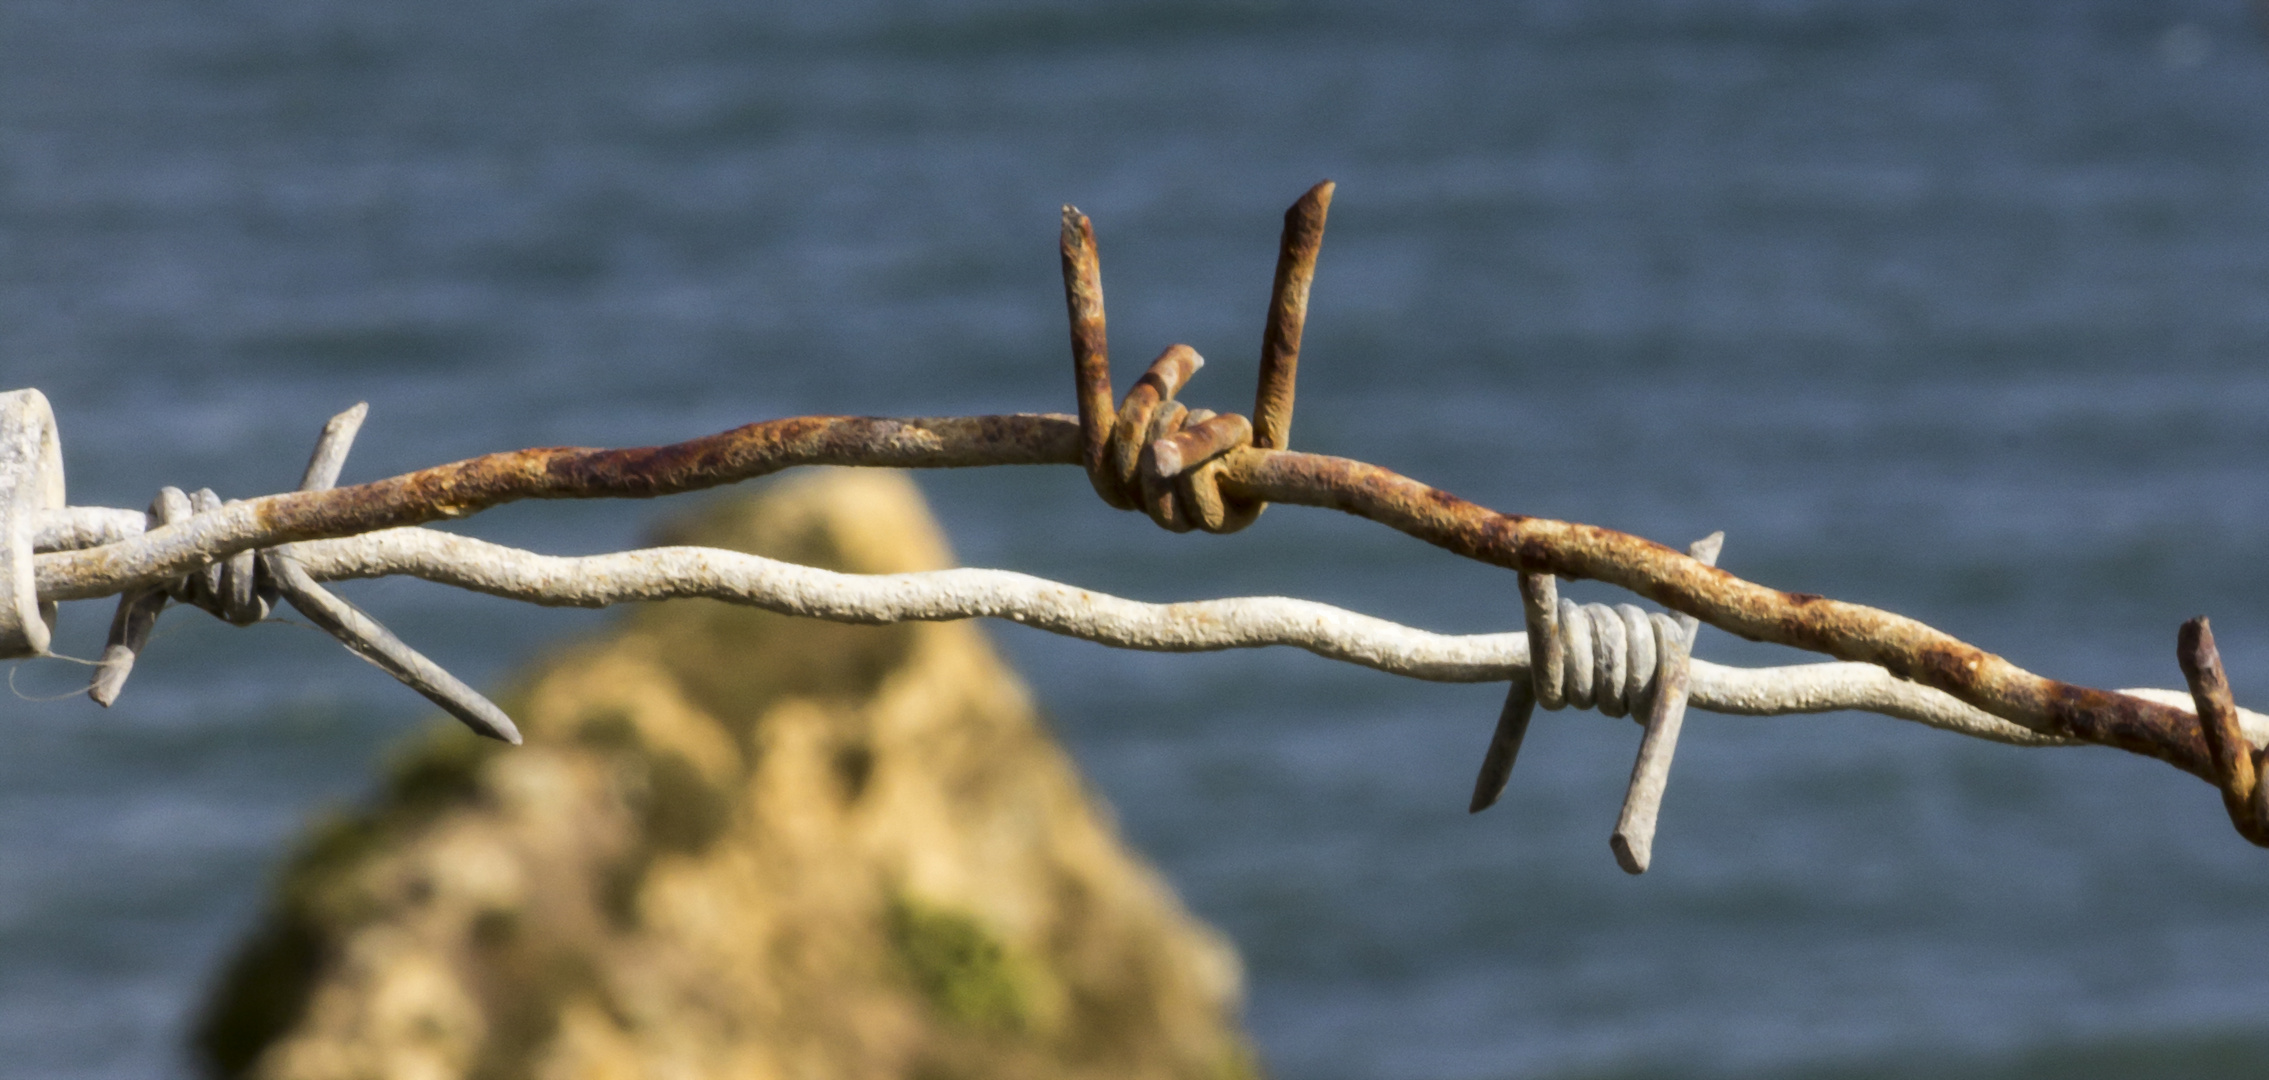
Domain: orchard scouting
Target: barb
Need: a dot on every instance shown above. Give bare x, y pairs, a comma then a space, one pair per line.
1633, 841
1184, 467
378, 645
1288, 316
1090, 349
2235, 768
243, 589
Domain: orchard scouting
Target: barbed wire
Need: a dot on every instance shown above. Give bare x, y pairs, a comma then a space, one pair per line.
1186, 469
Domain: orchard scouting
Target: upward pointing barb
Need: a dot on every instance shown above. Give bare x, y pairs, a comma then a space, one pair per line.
1179, 450
1090, 349
1288, 316
2235, 770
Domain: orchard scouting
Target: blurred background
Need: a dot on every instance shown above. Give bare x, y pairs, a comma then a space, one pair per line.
1951, 308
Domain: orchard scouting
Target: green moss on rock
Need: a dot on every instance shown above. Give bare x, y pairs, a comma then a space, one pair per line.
960, 968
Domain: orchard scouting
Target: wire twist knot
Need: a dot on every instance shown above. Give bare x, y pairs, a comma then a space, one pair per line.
238, 589
1163, 458
1150, 452
244, 587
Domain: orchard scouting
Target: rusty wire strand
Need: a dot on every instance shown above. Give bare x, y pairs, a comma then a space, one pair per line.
1186, 468
1904, 647
2234, 763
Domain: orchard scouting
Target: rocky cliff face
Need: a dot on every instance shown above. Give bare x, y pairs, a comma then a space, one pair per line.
738, 845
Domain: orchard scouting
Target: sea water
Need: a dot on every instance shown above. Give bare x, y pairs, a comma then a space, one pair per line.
1955, 309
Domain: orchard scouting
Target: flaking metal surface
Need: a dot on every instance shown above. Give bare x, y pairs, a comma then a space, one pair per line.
1185, 468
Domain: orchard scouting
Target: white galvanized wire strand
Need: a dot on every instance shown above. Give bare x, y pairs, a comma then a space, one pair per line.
1192, 626
1589, 675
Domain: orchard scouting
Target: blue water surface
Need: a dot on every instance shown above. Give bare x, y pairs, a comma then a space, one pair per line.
1954, 308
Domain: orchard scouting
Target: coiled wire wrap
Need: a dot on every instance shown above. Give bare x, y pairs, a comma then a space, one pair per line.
245, 587
233, 589
1609, 658
1591, 656
1620, 660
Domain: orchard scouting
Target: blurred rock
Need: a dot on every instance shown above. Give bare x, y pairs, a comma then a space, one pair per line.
738, 844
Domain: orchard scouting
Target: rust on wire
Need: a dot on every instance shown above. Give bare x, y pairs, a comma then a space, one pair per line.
1185, 469
1158, 385
2232, 756
1211, 510
1905, 647
1159, 498
1288, 316
466, 487
1199, 442
1090, 348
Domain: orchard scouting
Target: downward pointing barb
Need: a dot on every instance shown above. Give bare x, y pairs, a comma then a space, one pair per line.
1633, 841
243, 590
